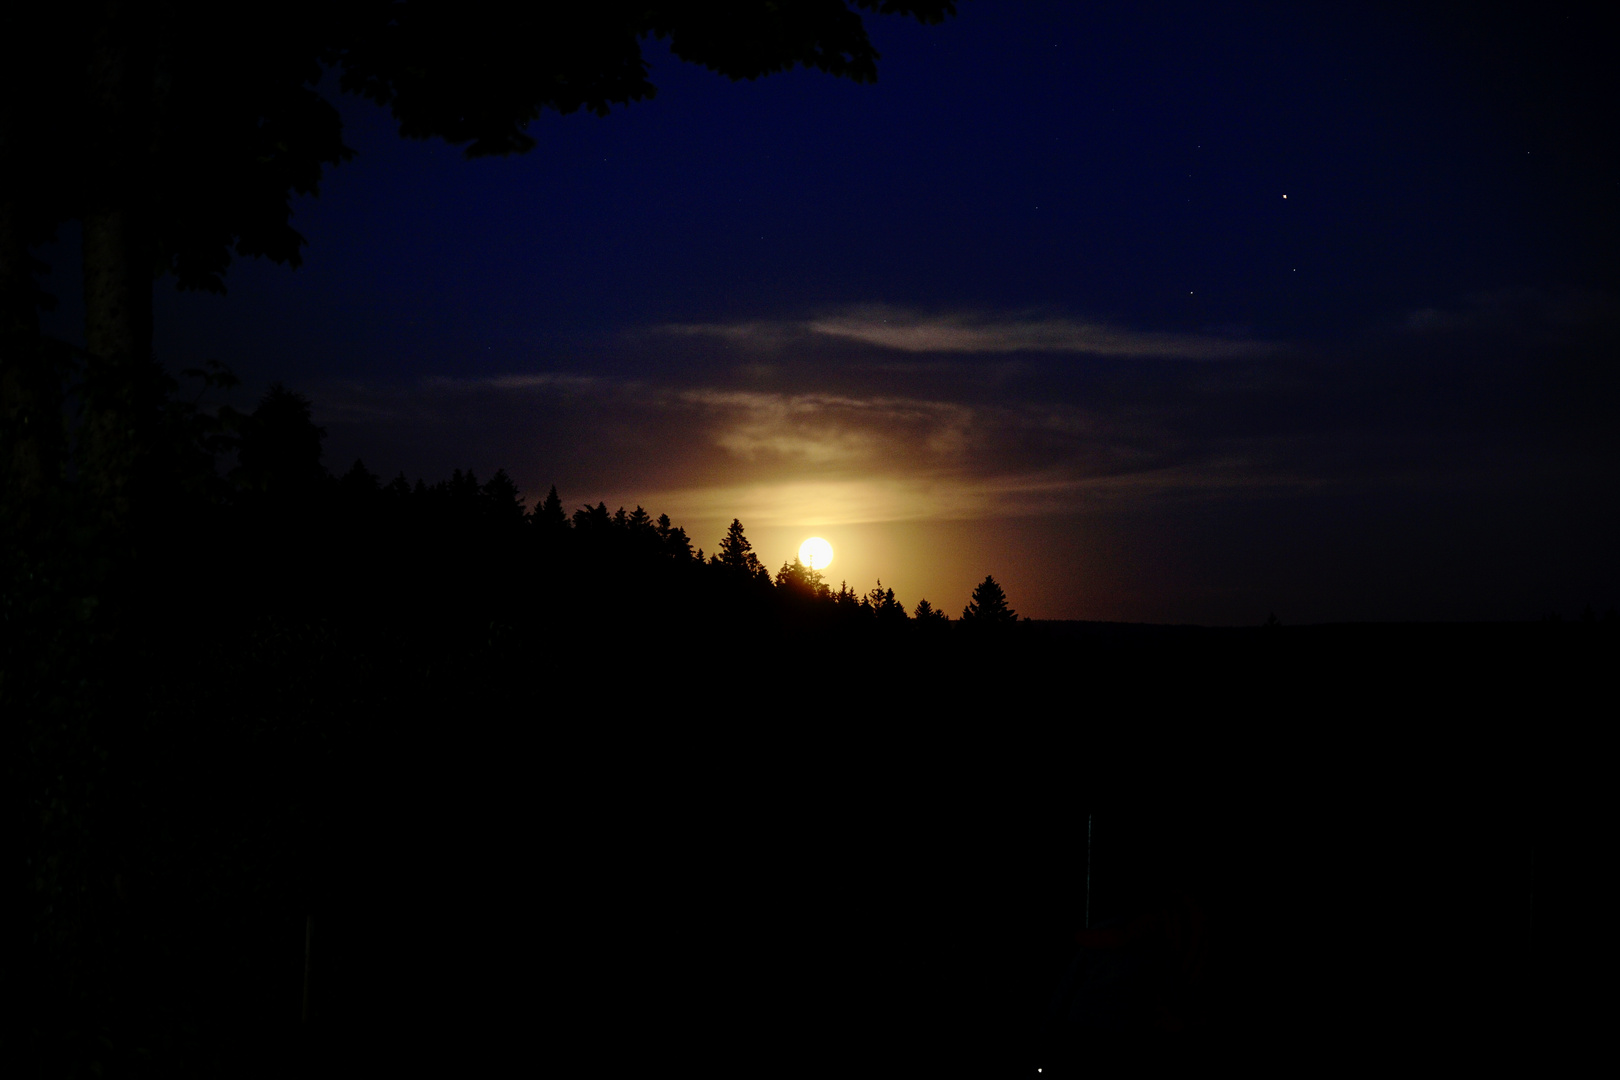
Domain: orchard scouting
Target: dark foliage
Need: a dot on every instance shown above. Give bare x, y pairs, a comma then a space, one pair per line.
462, 742
988, 607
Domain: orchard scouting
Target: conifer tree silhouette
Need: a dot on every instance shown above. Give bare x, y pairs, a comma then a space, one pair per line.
802, 581
737, 554
502, 501
988, 606
359, 482
593, 521
673, 541
548, 517
885, 606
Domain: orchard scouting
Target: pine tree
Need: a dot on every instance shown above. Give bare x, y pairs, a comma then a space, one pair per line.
734, 546
502, 501
885, 606
737, 554
801, 580
593, 520
360, 483
988, 606
548, 517
672, 540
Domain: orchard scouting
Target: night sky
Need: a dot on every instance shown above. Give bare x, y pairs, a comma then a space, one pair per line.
1161, 312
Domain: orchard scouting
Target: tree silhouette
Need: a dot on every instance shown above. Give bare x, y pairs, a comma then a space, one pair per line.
230, 771
502, 501
548, 518
673, 541
988, 606
847, 603
887, 609
802, 581
280, 449
593, 521
177, 133
737, 554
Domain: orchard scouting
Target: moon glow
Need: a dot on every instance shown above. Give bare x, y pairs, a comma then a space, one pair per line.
816, 553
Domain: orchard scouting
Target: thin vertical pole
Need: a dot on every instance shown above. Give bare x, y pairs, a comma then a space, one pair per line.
309, 933
1532, 917
1088, 870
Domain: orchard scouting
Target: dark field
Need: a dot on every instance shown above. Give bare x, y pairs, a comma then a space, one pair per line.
812, 854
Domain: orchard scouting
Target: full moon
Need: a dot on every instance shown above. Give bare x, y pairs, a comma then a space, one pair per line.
816, 553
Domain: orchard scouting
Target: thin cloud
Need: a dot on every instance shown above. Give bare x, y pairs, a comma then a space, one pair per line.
542, 381
779, 457
949, 496
756, 336
824, 430
904, 331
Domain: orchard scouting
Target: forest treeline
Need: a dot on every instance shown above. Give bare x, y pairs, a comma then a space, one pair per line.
464, 548
216, 678
228, 526
591, 560
247, 693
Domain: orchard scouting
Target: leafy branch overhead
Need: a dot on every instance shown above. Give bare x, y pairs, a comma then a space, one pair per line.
216, 109
177, 134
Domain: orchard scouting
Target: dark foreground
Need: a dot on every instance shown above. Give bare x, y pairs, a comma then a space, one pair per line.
778, 854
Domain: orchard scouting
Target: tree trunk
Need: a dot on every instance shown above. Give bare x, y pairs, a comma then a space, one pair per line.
32, 441
123, 387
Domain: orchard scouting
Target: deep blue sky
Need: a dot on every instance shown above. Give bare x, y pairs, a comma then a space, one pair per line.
1032, 304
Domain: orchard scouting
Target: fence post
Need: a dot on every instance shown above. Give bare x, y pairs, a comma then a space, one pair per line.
309, 934
1088, 870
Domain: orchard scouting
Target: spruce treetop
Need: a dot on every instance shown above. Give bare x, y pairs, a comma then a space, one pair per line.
988, 605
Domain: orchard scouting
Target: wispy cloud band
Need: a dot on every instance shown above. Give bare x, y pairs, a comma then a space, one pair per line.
906, 331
